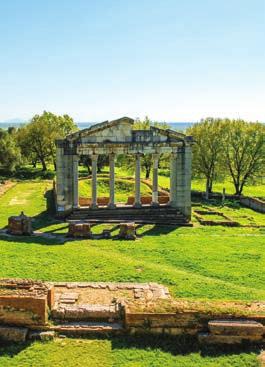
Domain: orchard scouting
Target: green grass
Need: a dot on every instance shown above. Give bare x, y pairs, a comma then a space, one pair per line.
199, 262
199, 185
123, 352
123, 188
234, 211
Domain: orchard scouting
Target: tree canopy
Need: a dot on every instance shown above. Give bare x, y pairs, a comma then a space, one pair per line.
37, 138
10, 156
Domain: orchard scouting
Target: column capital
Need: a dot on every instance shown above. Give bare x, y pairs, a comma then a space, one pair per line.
94, 157
112, 156
155, 155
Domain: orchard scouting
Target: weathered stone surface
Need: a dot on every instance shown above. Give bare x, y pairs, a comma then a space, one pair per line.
25, 302
41, 335
236, 327
82, 230
20, 225
207, 338
13, 334
127, 231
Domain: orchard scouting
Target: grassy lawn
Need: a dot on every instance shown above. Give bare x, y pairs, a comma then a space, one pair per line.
122, 352
199, 262
123, 188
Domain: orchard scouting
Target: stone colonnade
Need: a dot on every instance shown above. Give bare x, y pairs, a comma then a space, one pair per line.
180, 180
180, 176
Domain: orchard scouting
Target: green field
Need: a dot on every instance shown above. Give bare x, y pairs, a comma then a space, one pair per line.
200, 262
123, 352
123, 188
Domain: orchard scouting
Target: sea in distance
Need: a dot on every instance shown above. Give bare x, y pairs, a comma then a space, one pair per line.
180, 126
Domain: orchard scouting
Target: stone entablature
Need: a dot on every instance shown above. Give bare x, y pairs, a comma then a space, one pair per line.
118, 137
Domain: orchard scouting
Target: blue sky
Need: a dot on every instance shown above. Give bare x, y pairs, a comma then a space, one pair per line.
169, 59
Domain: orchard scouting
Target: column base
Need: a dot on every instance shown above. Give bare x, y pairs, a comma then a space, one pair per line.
137, 205
111, 206
173, 204
93, 206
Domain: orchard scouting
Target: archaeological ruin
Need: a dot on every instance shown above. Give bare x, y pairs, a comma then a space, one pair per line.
117, 137
31, 310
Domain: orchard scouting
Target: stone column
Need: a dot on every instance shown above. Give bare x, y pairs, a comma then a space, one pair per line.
155, 201
173, 180
75, 181
111, 181
94, 158
183, 193
137, 201
60, 176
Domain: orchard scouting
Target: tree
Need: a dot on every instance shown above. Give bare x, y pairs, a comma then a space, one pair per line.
37, 139
207, 150
244, 151
103, 160
9, 152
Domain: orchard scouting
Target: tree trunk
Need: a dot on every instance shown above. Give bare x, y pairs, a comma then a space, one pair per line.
207, 189
43, 163
147, 173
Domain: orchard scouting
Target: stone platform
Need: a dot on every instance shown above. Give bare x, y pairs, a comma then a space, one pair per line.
42, 310
164, 214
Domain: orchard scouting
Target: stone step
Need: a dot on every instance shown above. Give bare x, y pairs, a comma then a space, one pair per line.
86, 328
85, 312
137, 221
208, 338
236, 327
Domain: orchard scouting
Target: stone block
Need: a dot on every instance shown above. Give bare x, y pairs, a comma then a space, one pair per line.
207, 338
78, 230
236, 327
20, 225
41, 335
127, 231
13, 334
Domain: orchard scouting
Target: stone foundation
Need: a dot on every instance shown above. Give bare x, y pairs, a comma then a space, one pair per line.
127, 231
24, 302
19, 225
78, 230
87, 308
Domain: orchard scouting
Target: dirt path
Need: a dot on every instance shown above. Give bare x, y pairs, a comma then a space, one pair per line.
6, 186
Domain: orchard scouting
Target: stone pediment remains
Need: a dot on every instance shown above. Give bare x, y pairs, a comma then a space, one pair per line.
120, 135
116, 137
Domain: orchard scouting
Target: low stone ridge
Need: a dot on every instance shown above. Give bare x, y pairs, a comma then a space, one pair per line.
236, 327
86, 308
25, 302
15, 334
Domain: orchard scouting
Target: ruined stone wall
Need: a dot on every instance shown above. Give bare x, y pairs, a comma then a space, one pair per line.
24, 302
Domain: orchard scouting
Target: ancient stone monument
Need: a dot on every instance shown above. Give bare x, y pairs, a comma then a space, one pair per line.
118, 137
19, 225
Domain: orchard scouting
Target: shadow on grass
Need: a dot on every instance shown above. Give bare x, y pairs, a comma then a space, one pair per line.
175, 345
8, 349
155, 230
180, 345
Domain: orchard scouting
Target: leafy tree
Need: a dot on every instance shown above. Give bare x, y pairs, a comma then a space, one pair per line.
207, 150
103, 160
37, 138
9, 152
244, 151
